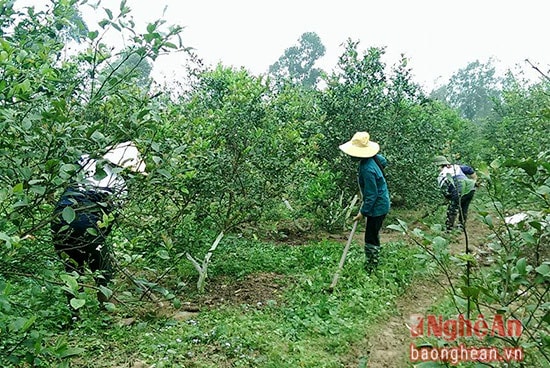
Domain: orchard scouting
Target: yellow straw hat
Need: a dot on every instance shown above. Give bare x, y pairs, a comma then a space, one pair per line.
360, 146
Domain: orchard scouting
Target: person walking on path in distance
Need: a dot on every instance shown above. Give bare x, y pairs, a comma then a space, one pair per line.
374, 190
457, 184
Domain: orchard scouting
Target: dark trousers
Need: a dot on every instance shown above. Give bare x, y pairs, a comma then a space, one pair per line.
81, 243
460, 207
372, 239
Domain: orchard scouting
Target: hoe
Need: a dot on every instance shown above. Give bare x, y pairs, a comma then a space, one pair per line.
342, 259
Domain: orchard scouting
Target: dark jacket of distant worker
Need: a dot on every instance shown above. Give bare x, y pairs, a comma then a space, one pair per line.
374, 190
457, 184
84, 213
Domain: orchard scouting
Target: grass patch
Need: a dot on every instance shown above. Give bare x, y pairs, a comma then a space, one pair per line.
302, 326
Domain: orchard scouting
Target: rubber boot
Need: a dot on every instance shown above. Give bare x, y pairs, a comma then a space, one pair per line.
449, 224
371, 257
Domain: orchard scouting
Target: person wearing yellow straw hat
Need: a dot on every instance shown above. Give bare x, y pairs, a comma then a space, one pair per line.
79, 227
374, 190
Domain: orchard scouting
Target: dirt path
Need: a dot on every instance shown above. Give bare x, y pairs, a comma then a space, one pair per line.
387, 344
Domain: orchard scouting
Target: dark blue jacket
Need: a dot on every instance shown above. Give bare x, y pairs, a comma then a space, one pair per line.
374, 189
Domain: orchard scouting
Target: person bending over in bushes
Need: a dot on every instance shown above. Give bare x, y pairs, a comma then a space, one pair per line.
457, 184
374, 190
84, 214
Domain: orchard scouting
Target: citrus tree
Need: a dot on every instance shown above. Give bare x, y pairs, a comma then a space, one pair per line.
55, 105
363, 96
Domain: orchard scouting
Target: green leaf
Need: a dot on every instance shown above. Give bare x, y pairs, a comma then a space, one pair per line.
28, 324
27, 124
18, 188
543, 190
110, 307
179, 149
22, 324
71, 352
403, 224
529, 238
470, 291
92, 231
543, 269
488, 220
163, 254
67, 169
529, 166
17, 324
522, 266
466, 257
93, 35
6, 238
77, 303
148, 37
68, 214
536, 224
103, 23
395, 227
98, 136
176, 303
106, 291
439, 242
142, 113
164, 173
40, 190
71, 282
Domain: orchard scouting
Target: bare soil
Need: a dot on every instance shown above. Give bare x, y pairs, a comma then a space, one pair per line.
255, 290
387, 344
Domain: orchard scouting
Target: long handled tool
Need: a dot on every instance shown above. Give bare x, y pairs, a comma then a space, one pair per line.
343, 258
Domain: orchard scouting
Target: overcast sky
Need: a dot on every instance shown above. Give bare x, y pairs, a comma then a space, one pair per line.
438, 36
